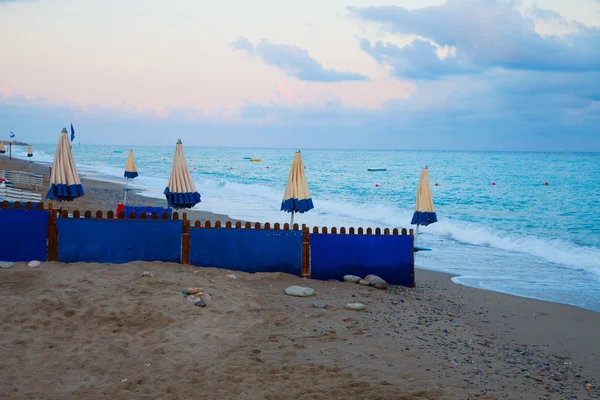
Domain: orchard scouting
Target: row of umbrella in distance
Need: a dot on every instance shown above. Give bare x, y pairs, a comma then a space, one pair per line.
181, 192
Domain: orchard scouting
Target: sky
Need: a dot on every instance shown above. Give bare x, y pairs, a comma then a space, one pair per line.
402, 74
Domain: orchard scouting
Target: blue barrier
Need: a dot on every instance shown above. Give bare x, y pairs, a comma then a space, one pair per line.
387, 256
23, 234
247, 250
118, 241
148, 210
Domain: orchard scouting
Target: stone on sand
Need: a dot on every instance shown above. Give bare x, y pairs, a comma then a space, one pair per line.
6, 264
379, 283
230, 276
34, 264
194, 290
319, 304
364, 282
299, 291
147, 274
351, 278
355, 306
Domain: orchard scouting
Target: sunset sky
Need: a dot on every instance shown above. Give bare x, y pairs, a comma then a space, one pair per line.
406, 74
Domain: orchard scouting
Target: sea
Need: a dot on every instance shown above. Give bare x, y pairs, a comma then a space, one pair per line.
519, 236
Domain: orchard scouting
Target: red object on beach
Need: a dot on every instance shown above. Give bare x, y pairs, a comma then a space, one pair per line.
120, 208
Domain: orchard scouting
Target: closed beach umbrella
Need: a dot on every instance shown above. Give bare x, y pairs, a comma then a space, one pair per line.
181, 191
296, 198
2, 149
130, 172
29, 151
64, 180
424, 211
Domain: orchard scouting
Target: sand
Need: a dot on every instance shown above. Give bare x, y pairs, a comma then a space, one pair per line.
101, 331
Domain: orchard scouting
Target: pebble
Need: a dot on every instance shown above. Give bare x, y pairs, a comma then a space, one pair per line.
319, 304
355, 306
194, 290
299, 291
231, 276
364, 282
370, 277
6, 264
200, 303
379, 283
364, 293
148, 274
351, 278
34, 264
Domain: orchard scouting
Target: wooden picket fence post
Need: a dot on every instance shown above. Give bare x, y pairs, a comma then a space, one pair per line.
185, 241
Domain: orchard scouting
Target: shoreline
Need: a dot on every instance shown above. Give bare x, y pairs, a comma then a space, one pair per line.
101, 195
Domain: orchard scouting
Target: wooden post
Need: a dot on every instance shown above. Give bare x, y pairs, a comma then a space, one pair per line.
305, 253
52, 235
185, 242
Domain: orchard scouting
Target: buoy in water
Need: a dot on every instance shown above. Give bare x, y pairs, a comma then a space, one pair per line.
194, 169
436, 184
267, 166
377, 185
546, 183
493, 183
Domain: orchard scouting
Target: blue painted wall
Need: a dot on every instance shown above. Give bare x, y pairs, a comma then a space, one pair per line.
387, 256
247, 250
118, 241
23, 234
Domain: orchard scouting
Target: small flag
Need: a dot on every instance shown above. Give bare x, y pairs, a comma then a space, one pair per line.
12, 134
72, 132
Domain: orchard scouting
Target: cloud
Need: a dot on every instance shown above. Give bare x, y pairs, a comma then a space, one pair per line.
294, 61
484, 34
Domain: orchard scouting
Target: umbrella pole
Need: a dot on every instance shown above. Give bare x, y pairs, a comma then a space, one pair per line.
126, 186
416, 234
292, 221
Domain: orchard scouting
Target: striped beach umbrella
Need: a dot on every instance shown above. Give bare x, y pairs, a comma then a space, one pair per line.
130, 173
64, 179
424, 210
296, 198
181, 191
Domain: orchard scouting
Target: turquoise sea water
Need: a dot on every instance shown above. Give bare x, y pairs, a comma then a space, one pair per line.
519, 236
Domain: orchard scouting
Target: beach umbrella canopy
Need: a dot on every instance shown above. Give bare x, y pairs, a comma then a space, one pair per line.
29, 151
296, 198
64, 180
130, 170
181, 191
2, 149
424, 211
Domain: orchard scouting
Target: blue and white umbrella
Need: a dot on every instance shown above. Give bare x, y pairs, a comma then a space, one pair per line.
181, 191
296, 198
130, 173
64, 179
424, 210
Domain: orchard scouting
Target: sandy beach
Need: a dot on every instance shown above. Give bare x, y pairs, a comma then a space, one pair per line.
99, 331
102, 331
